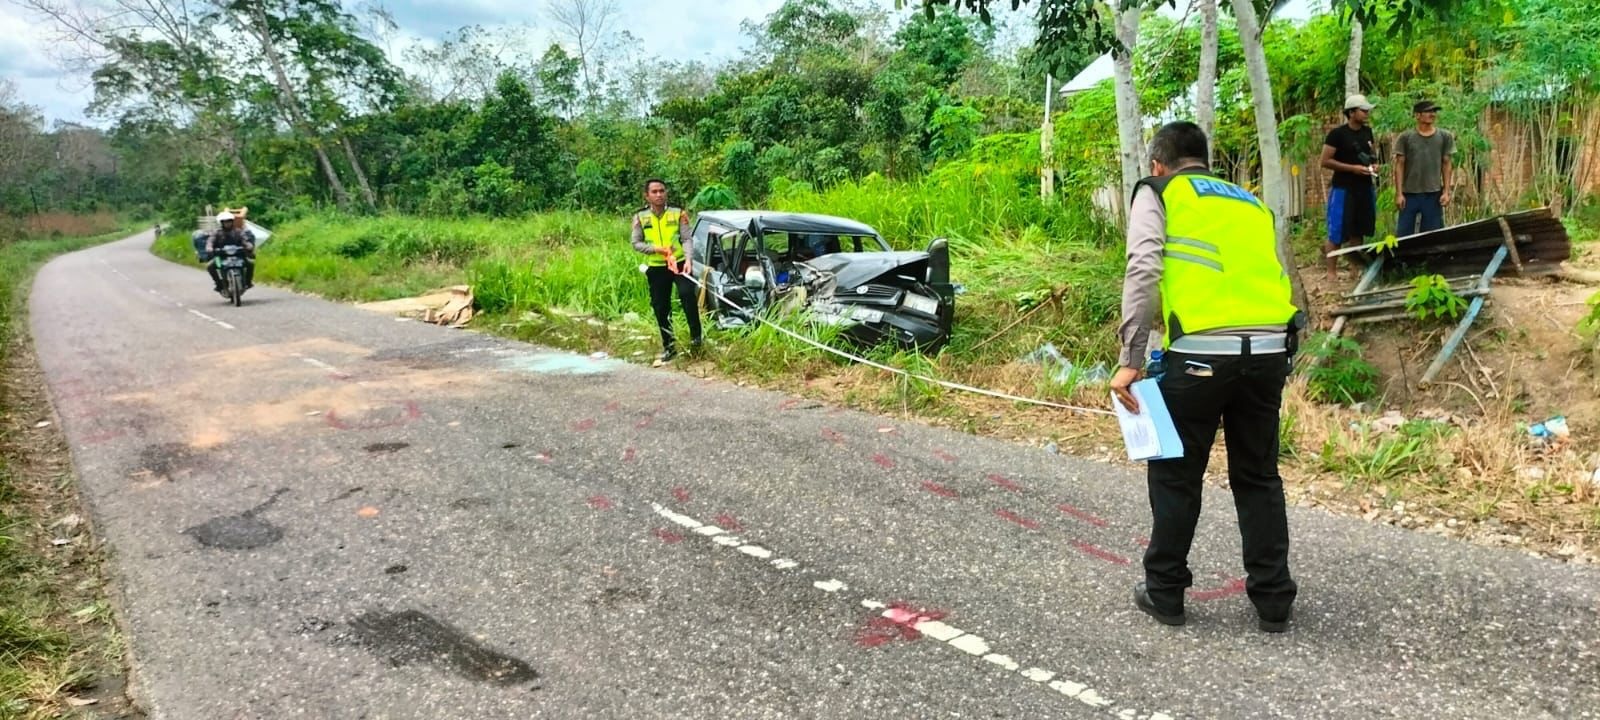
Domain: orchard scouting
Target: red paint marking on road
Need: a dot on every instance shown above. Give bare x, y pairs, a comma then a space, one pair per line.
583, 425
667, 536
1005, 483
106, 436
1143, 542
1083, 515
896, 623
646, 422
1018, 519
543, 456
627, 454
883, 461
600, 502
681, 493
409, 413
789, 404
832, 436
1100, 552
613, 406
1232, 587
729, 522
938, 489
942, 455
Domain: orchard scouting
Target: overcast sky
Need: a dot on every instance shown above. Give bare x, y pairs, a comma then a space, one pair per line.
693, 30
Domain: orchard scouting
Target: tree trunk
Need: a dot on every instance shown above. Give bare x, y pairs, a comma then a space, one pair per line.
291, 105
1130, 123
1274, 185
361, 175
1352, 61
238, 160
1205, 101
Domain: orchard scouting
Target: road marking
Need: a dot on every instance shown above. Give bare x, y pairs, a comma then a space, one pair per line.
924, 623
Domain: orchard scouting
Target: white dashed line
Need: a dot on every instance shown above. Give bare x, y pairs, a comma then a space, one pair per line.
974, 645
829, 586
755, 551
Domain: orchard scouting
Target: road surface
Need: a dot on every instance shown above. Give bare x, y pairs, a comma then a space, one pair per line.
317, 511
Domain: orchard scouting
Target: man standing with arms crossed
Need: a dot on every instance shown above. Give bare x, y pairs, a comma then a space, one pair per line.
661, 233
1422, 172
1202, 251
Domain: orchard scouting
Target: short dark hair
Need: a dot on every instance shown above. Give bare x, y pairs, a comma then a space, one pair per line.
653, 181
1177, 142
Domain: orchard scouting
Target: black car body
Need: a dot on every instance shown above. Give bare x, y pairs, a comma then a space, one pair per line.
836, 271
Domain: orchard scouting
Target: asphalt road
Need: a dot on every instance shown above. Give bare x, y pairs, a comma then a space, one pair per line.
316, 511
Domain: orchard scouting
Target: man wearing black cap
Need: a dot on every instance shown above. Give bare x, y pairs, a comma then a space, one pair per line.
1422, 172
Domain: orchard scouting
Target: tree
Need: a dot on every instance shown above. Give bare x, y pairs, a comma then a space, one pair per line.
1130, 122
584, 24
1205, 102
1352, 62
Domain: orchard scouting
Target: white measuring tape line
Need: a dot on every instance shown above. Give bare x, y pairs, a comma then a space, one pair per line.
895, 370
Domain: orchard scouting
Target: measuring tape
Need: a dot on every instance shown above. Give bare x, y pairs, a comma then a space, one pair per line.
893, 370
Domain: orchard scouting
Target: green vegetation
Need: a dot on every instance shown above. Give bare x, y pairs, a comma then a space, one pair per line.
1336, 372
1430, 297
55, 637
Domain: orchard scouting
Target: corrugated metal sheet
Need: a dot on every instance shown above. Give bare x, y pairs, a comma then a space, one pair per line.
1541, 245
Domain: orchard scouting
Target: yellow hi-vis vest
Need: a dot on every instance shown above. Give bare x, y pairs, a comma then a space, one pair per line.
1220, 268
662, 232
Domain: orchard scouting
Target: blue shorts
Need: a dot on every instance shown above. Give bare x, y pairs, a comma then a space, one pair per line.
1352, 213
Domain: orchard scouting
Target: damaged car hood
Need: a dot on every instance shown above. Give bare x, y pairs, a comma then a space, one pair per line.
854, 269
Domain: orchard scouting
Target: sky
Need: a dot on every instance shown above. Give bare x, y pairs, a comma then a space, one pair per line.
706, 30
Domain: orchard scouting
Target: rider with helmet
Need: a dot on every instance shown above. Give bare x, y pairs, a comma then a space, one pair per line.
228, 235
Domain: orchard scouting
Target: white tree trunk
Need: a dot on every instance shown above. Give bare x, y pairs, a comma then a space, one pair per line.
1352, 61
1274, 186
1130, 123
1205, 101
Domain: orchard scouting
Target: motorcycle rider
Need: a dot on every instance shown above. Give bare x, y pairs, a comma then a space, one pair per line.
227, 235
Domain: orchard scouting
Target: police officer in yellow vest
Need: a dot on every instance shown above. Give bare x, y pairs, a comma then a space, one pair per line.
1203, 252
661, 233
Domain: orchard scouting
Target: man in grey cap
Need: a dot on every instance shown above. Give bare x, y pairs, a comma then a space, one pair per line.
1422, 172
1349, 151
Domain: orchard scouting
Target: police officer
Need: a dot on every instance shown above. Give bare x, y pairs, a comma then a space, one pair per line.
1203, 252
661, 233
228, 235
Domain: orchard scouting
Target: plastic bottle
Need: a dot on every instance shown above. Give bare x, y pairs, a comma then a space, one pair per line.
1157, 366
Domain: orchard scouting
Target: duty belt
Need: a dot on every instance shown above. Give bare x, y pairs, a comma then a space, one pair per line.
1231, 344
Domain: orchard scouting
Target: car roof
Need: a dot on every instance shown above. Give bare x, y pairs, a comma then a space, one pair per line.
789, 222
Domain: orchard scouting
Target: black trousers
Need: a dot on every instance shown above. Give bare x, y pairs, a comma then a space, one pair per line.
661, 282
1243, 394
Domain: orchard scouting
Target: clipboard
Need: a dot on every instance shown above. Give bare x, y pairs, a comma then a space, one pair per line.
1149, 435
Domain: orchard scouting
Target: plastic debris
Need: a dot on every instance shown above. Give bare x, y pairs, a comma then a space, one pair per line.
1063, 370
1552, 431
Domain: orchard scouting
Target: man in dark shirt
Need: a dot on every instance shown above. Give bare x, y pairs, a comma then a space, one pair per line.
1422, 171
1351, 154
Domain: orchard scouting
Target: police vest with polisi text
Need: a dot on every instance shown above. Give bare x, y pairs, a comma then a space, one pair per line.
662, 232
1220, 268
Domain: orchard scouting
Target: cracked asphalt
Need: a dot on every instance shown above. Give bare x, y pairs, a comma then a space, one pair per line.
316, 511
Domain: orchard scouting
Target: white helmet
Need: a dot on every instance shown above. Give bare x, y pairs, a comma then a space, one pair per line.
224, 215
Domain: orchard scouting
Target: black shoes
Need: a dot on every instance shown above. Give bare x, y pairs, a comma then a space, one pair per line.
1276, 625
665, 357
1141, 599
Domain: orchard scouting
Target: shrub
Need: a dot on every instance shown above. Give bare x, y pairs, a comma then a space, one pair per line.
1339, 375
1431, 296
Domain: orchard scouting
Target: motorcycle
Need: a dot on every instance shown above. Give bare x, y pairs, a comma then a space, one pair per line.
231, 260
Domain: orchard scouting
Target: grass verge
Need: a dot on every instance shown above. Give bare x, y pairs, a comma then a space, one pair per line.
58, 643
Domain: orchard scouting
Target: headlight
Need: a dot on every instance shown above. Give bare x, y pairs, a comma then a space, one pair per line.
921, 303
